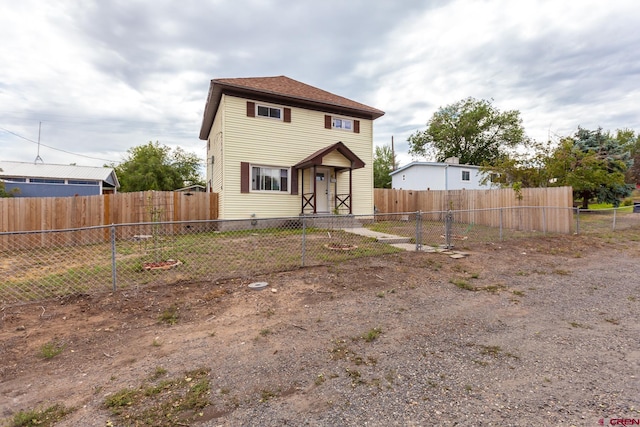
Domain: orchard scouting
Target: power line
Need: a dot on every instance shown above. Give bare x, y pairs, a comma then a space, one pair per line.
56, 149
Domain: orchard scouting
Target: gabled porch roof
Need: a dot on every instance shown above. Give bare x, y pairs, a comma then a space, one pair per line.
316, 158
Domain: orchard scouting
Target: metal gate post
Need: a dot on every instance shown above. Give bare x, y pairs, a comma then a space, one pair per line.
304, 238
113, 257
419, 231
447, 229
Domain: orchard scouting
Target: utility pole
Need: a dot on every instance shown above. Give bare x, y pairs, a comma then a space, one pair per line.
393, 155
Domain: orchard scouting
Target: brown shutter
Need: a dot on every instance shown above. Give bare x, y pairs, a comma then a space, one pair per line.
244, 177
251, 109
327, 121
294, 181
356, 126
287, 115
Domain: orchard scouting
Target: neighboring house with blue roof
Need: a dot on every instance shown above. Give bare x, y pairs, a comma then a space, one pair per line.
449, 175
48, 180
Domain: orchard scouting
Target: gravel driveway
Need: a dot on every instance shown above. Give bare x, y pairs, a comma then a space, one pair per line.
536, 332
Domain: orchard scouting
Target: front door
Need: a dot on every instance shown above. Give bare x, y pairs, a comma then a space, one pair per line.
322, 191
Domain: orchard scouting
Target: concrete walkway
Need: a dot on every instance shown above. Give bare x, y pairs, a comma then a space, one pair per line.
403, 242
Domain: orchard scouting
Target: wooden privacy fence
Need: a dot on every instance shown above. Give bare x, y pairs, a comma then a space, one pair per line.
58, 213
549, 209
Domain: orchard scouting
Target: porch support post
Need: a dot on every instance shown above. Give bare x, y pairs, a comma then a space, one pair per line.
301, 192
315, 194
350, 191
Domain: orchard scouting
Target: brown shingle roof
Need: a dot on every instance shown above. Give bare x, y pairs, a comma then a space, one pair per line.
284, 90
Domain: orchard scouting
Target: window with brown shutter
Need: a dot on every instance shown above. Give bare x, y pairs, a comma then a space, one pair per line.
244, 177
356, 126
251, 109
294, 181
327, 121
287, 115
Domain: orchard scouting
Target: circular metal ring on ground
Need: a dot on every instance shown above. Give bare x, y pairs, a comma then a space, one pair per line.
258, 285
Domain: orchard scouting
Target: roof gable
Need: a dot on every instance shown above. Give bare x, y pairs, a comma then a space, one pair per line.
281, 89
316, 158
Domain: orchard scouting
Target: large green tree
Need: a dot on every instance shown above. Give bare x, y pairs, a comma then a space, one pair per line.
631, 141
594, 163
473, 130
156, 167
526, 169
383, 165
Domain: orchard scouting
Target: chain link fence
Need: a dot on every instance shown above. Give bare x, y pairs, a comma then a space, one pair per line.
49, 264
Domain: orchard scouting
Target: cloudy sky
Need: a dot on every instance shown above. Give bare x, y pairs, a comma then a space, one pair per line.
92, 79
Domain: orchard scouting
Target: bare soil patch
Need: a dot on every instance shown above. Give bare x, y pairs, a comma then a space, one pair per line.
530, 332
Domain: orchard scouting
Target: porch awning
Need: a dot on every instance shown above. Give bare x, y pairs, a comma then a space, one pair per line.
316, 158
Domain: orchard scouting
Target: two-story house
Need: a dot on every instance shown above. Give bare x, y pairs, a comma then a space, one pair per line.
277, 147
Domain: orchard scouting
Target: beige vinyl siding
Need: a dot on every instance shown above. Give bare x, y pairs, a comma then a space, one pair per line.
270, 142
215, 148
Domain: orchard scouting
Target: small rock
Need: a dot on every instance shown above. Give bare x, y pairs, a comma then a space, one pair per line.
21, 328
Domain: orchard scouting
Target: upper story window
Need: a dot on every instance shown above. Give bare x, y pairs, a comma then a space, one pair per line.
339, 123
271, 112
349, 125
466, 176
10, 179
265, 178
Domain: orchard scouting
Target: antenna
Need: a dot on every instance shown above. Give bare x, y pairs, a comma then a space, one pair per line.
38, 156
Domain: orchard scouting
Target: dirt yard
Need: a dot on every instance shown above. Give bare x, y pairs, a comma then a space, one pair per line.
530, 332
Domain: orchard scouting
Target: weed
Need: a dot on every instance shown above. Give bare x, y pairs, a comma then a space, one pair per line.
120, 399
264, 332
518, 293
168, 403
156, 342
265, 395
522, 273
51, 349
631, 298
320, 379
475, 275
45, 418
561, 272
170, 315
577, 325
380, 294
160, 371
372, 334
270, 312
491, 350
225, 390
462, 284
468, 388
613, 321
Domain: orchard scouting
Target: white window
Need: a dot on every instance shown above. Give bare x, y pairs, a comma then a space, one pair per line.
265, 178
466, 176
338, 123
271, 112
